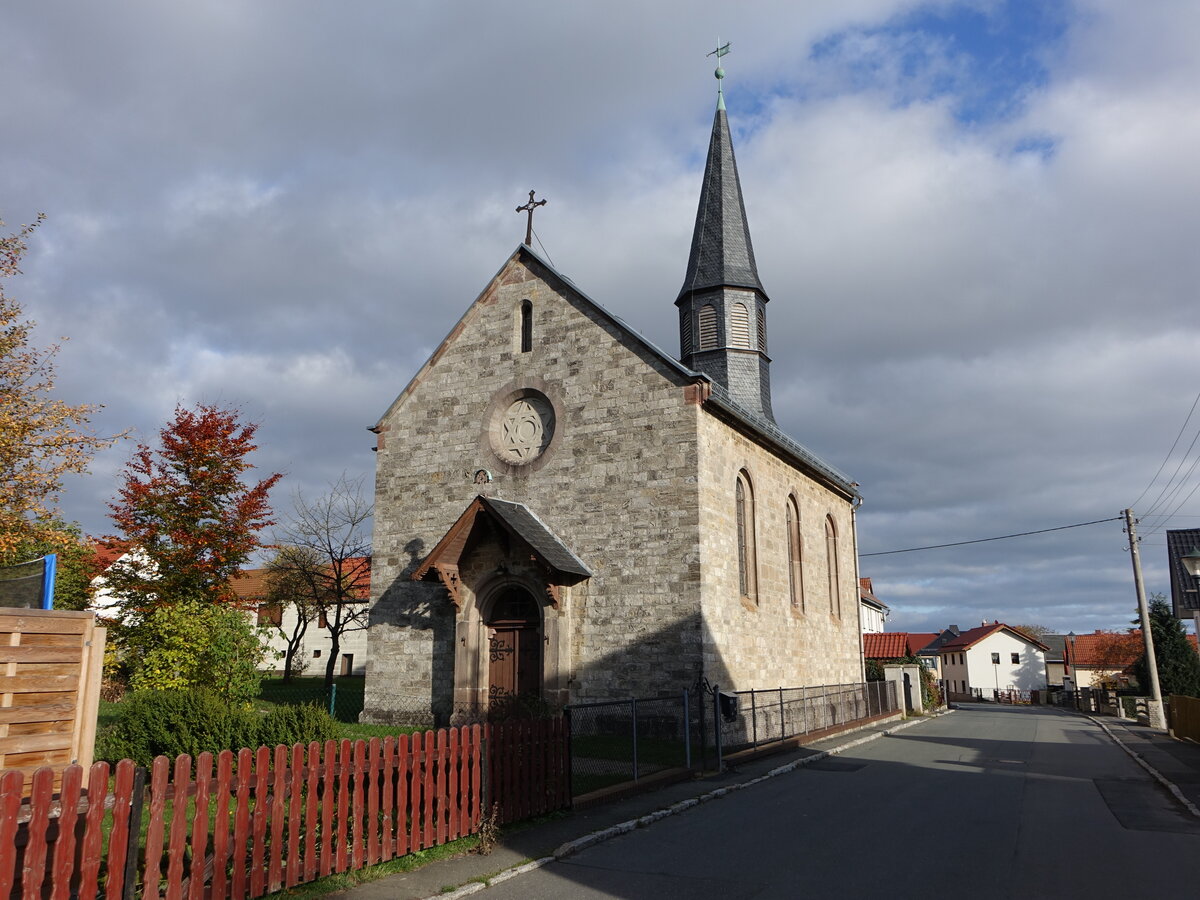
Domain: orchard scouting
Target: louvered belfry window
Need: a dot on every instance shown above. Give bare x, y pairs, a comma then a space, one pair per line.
739, 326
708, 327
762, 330
686, 333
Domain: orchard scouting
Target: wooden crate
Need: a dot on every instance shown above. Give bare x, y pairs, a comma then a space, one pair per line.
51, 664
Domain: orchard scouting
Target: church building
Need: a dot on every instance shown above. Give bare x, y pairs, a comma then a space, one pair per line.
566, 512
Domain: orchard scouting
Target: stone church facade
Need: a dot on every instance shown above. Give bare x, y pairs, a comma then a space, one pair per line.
564, 510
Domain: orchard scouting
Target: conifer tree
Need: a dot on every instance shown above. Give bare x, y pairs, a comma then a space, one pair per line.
1178, 662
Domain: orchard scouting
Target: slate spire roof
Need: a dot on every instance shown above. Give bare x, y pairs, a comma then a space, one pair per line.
722, 255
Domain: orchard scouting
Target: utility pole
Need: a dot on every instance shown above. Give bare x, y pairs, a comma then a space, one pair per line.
1157, 720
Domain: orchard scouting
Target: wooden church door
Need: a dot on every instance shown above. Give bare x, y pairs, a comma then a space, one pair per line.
514, 647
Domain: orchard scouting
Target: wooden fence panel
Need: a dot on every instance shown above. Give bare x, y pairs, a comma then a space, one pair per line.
1185, 717
50, 669
221, 832
243, 828
64, 847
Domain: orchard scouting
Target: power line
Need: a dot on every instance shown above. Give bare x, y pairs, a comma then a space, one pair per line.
1163, 464
1001, 537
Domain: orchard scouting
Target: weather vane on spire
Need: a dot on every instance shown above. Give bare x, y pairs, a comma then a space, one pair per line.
721, 50
529, 208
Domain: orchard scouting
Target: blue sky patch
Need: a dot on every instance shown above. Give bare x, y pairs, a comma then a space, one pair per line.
984, 59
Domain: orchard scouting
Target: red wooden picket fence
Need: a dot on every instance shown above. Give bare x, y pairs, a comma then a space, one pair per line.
272, 818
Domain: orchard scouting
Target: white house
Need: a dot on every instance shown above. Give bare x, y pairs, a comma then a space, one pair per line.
313, 655
993, 657
872, 612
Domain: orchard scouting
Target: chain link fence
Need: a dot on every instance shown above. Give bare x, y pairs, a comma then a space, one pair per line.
343, 699
627, 740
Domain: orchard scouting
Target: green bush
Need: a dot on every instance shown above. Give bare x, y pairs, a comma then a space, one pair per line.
168, 723
191, 643
297, 725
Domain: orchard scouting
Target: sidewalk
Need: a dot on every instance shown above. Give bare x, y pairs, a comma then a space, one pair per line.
1175, 764
536, 842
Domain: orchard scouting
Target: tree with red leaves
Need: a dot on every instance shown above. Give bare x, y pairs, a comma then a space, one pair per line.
185, 507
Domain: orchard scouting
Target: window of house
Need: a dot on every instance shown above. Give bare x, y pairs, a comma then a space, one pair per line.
526, 326
995, 659
708, 327
322, 622
1016, 659
831, 566
270, 614
316, 654
744, 515
739, 326
795, 566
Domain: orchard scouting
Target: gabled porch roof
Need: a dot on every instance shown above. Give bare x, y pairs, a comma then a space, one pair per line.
557, 563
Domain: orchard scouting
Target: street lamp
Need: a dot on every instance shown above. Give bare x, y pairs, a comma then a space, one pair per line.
1191, 562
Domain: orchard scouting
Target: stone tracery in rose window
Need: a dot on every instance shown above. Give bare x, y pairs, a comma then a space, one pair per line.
526, 430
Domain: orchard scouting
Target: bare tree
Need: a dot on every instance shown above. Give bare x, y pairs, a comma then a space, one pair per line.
326, 560
287, 590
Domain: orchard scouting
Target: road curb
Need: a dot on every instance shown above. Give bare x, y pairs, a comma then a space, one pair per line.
1154, 773
605, 834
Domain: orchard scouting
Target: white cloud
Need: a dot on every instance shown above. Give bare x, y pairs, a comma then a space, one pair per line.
285, 206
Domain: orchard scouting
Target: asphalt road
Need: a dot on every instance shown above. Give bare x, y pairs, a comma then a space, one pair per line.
990, 802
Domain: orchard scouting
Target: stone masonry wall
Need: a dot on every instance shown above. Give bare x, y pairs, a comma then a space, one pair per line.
617, 484
772, 643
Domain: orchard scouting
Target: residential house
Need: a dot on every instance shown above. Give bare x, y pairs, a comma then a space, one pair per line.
993, 657
283, 620
1185, 587
1104, 658
873, 612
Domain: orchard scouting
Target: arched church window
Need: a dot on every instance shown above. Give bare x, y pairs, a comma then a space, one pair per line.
708, 327
795, 555
831, 565
739, 326
526, 326
744, 516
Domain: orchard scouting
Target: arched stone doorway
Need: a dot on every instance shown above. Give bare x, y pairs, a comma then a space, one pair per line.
514, 633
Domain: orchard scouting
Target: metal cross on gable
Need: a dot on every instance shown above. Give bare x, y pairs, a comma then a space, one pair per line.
529, 208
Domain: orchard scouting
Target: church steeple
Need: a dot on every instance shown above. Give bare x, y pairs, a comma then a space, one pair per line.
722, 305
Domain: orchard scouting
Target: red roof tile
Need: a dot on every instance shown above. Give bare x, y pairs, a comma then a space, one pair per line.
251, 584
885, 645
1109, 649
919, 640
972, 637
108, 552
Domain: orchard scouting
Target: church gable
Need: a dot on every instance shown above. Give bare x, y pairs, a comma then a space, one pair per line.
526, 333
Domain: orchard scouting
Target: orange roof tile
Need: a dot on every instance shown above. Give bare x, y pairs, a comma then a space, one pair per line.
973, 636
1109, 649
885, 645
251, 584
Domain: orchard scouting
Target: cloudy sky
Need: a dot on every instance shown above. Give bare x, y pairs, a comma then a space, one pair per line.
976, 221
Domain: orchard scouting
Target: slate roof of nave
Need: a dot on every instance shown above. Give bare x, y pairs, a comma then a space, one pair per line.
720, 396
